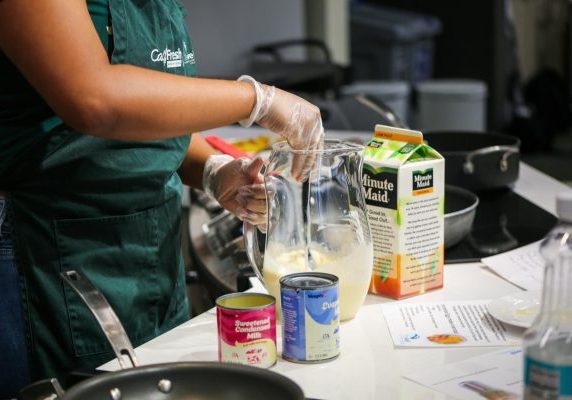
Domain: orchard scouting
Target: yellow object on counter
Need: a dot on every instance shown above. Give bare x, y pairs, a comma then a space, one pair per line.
253, 145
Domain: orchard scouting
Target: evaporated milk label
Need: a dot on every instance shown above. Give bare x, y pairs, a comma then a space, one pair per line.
310, 324
247, 337
546, 381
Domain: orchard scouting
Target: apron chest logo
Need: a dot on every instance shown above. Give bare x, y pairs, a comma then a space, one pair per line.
189, 55
172, 59
169, 58
190, 58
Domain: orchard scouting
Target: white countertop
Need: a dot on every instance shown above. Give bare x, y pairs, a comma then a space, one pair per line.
369, 367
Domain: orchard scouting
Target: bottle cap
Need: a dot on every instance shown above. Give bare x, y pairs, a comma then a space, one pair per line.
564, 206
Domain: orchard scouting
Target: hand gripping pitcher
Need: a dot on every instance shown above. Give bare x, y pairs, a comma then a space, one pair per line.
316, 221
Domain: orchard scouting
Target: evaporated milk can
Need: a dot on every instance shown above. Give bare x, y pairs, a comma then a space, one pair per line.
247, 329
310, 317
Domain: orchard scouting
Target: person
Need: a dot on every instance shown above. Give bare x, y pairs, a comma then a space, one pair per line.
97, 102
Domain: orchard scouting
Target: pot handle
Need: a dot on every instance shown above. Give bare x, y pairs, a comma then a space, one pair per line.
469, 166
47, 389
105, 316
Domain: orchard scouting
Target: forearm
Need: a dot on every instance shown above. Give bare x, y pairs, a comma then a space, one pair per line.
126, 102
191, 170
147, 105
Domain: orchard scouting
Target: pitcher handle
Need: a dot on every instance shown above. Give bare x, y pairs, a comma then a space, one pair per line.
251, 244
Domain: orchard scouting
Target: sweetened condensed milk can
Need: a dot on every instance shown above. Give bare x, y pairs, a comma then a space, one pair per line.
247, 329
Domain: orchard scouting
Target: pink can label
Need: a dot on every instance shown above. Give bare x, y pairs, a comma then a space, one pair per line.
247, 336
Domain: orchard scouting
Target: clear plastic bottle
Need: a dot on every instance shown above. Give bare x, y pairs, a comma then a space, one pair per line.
548, 343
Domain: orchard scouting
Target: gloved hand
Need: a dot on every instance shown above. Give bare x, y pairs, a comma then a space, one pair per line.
286, 114
238, 186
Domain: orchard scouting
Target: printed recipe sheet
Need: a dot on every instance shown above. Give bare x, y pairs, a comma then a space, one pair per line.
523, 266
497, 376
447, 324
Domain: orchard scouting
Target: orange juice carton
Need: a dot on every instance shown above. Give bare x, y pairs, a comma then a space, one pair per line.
404, 185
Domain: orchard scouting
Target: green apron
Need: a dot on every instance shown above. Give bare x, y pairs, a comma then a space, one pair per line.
108, 208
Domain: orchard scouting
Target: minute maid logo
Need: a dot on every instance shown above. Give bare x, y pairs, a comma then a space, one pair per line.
422, 181
380, 186
173, 59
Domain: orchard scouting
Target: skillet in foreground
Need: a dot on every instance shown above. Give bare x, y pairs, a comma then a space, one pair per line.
177, 381
192, 380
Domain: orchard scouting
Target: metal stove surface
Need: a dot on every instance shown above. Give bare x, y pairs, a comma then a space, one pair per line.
504, 220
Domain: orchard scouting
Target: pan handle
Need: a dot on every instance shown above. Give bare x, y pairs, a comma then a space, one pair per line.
105, 316
47, 389
469, 166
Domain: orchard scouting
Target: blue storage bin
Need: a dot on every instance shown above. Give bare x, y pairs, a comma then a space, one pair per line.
390, 44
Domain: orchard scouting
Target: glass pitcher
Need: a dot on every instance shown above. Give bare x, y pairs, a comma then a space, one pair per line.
315, 223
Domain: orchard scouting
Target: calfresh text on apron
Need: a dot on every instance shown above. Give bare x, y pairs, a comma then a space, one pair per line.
173, 59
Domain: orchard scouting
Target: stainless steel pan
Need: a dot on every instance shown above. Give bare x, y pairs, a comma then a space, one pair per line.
190, 380
460, 208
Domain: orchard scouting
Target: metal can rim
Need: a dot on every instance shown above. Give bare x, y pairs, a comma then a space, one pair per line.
331, 277
317, 361
271, 301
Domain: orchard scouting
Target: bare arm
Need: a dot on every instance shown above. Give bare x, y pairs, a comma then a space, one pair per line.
56, 47
191, 170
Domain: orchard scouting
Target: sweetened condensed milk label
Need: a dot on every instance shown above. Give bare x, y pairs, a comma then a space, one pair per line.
246, 336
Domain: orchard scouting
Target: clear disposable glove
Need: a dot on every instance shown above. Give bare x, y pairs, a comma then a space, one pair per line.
286, 114
292, 117
237, 185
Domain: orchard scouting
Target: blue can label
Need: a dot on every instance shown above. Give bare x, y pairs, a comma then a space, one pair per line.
547, 381
310, 324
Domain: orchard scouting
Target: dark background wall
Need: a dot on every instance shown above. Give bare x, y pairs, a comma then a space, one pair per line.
473, 44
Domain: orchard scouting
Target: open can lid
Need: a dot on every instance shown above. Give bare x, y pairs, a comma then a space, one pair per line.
308, 280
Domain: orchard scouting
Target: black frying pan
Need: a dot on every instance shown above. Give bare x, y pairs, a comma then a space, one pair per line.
477, 160
191, 380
